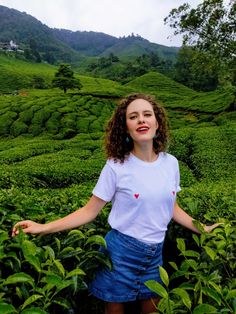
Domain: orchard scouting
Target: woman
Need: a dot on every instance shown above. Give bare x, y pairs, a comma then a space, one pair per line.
142, 181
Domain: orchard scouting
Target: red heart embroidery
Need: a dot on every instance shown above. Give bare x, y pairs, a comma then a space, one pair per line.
136, 195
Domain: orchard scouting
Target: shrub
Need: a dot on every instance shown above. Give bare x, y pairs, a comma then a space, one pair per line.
18, 127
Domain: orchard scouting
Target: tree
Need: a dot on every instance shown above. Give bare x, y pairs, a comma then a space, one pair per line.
211, 27
194, 69
64, 78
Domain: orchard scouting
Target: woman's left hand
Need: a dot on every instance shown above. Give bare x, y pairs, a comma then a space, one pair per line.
211, 227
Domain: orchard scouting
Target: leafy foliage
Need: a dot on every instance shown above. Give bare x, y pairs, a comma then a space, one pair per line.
45, 179
210, 27
209, 275
196, 70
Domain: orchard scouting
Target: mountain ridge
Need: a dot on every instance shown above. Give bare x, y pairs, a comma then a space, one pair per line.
72, 46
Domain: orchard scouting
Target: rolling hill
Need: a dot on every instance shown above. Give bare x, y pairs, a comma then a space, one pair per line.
18, 78
69, 46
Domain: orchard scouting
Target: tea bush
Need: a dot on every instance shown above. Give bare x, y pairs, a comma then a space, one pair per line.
44, 178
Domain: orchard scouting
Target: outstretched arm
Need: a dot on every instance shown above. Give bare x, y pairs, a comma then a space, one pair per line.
80, 217
182, 218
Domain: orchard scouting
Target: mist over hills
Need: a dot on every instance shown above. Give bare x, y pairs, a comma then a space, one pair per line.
70, 46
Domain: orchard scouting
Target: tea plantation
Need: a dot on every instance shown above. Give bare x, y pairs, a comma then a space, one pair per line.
50, 158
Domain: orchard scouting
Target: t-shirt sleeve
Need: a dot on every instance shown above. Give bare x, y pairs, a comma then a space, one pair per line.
106, 184
177, 178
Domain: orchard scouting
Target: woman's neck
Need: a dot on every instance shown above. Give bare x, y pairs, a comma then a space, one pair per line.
145, 153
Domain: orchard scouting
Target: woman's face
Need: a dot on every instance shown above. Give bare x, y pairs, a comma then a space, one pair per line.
141, 121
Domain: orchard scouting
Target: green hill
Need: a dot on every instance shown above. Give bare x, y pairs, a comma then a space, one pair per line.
185, 107
16, 74
60, 45
23, 28
185, 104
133, 46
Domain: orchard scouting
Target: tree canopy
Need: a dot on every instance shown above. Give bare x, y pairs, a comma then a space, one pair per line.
64, 78
210, 28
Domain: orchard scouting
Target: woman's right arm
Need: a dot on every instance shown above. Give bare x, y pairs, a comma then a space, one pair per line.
78, 218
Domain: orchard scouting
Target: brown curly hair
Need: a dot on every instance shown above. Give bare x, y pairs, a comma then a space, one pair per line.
116, 145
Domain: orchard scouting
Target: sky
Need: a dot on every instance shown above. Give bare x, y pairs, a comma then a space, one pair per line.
113, 17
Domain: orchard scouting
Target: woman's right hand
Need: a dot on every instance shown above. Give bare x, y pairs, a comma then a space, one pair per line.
28, 226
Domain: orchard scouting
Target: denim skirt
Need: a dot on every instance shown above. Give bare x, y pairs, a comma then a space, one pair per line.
133, 263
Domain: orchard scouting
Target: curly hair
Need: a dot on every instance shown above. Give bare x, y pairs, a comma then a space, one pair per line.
116, 144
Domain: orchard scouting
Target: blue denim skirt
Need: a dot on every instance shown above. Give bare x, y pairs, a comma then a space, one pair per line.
134, 262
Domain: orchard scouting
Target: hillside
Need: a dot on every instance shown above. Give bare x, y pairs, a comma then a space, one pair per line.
41, 111
69, 46
133, 46
177, 96
88, 43
23, 28
18, 74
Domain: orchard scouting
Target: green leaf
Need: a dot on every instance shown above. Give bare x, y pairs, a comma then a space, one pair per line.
231, 294
204, 309
173, 264
29, 248
53, 280
215, 286
31, 299
58, 244
69, 252
192, 263
220, 244
3, 236
18, 278
183, 295
181, 245
191, 253
97, 239
212, 294
210, 252
59, 267
34, 310
7, 308
157, 288
196, 239
104, 260
164, 276
62, 302
75, 272
79, 233
49, 252
34, 261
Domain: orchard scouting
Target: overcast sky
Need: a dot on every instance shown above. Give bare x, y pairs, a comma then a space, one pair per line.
114, 17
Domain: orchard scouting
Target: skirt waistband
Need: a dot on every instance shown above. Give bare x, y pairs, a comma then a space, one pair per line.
137, 243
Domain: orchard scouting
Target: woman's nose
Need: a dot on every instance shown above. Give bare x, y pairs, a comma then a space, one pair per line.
141, 119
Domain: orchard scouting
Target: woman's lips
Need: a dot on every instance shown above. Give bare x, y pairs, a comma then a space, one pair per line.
142, 129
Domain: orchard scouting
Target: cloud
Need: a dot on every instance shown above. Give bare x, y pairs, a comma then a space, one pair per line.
117, 18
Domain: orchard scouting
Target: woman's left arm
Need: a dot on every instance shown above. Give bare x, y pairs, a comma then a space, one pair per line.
182, 218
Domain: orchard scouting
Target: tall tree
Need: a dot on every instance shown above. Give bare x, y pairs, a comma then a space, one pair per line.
210, 27
64, 78
194, 69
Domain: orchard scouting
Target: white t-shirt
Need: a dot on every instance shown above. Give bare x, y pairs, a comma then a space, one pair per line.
142, 195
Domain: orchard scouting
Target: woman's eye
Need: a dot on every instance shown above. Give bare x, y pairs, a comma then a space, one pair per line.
132, 117
148, 115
